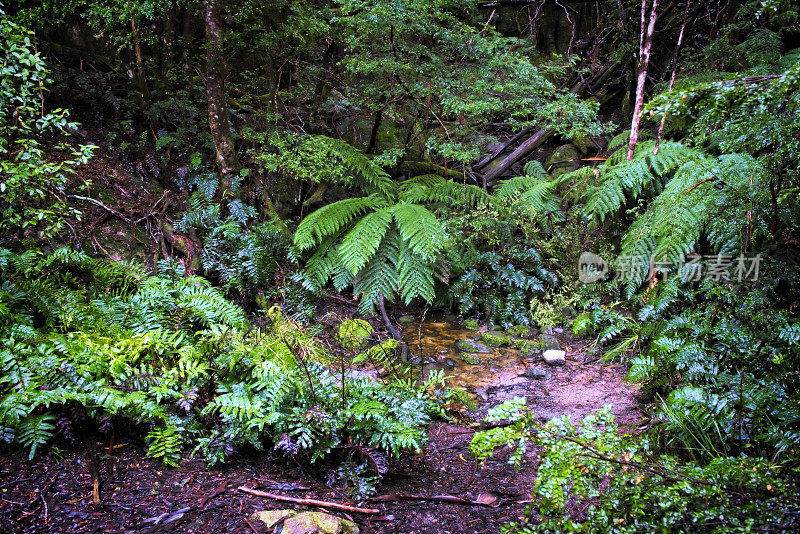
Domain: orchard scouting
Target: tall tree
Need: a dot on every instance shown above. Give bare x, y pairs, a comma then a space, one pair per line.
216, 69
645, 42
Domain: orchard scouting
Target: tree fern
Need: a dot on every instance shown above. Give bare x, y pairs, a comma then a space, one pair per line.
372, 178
629, 179
330, 219
419, 228
432, 188
361, 243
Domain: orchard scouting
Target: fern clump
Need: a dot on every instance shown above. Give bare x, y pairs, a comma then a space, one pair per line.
169, 353
384, 244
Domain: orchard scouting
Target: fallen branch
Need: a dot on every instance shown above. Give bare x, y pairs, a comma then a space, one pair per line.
100, 204
309, 502
522, 150
430, 498
485, 161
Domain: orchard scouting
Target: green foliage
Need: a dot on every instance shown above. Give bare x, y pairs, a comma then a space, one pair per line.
238, 251
354, 333
726, 364
168, 353
593, 479
382, 244
621, 333
501, 285
31, 182
418, 58
321, 159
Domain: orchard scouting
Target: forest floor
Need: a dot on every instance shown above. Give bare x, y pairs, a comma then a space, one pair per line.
54, 492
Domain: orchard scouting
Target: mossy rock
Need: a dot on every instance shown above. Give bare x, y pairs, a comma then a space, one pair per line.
295, 522
564, 159
407, 319
471, 359
519, 330
523, 344
471, 324
549, 342
471, 346
584, 144
354, 334
496, 339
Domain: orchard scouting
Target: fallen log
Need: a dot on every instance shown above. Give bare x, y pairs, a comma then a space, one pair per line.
309, 502
485, 161
520, 152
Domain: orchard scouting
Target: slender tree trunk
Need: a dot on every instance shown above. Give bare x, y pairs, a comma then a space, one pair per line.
645, 42
392, 330
168, 42
674, 74
187, 38
219, 124
141, 81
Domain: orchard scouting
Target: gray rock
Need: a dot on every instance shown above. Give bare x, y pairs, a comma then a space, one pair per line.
558, 330
413, 359
449, 363
555, 357
549, 342
481, 394
533, 372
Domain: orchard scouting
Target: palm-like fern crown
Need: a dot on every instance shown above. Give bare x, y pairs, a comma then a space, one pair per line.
385, 243
692, 195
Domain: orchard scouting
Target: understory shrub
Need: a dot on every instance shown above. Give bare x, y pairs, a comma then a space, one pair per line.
92, 345
591, 478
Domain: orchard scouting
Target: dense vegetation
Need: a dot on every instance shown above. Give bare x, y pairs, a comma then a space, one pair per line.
409, 153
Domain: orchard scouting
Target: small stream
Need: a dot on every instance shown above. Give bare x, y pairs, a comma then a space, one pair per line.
435, 342
581, 386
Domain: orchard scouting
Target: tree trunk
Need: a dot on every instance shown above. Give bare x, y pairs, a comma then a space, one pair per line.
168, 42
645, 41
674, 74
187, 38
219, 124
141, 81
392, 330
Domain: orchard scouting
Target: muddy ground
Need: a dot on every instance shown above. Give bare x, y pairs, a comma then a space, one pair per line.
54, 492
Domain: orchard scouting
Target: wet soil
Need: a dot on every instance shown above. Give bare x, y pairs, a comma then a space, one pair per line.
54, 492
581, 386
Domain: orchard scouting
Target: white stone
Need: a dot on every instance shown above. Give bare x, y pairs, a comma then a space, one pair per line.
555, 357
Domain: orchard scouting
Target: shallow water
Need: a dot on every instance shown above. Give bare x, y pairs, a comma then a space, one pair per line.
435, 342
576, 389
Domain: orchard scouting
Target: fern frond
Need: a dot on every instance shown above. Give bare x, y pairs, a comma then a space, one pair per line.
379, 278
360, 243
419, 227
415, 275
374, 179
331, 218
432, 188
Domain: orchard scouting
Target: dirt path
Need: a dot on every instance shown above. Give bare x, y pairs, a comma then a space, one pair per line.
54, 493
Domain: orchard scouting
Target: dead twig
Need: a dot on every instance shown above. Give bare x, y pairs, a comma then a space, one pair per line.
100, 204
429, 498
309, 502
218, 491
